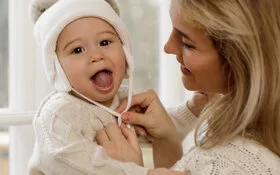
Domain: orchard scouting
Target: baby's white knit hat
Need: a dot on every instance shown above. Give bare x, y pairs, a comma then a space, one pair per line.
39, 6
56, 15
51, 16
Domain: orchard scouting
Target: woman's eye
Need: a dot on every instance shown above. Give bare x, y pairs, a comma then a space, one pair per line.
187, 46
78, 50
105, 43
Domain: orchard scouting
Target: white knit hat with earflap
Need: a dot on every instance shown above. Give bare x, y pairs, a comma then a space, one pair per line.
55, 16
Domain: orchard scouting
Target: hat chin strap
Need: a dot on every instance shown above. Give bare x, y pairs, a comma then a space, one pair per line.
114, 113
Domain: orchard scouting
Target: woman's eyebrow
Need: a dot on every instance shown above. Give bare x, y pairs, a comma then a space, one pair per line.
184, 35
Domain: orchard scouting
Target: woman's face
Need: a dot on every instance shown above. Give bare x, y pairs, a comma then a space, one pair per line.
200, 62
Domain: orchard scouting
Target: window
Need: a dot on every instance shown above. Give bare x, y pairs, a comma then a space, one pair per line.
4, 83
141, 18
4, 53
149, 26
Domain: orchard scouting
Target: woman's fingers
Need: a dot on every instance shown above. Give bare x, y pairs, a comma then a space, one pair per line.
135, 119
142, 100
113, 132
120, 143
140, 130
131, 137
101, 137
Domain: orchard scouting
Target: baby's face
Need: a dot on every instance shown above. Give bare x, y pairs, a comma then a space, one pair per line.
91, 55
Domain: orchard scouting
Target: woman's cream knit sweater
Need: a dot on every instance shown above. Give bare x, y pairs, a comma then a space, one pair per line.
240, 156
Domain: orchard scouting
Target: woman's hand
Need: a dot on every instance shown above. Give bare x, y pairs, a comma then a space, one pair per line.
120, 143
153, 122
151, 115
164, 171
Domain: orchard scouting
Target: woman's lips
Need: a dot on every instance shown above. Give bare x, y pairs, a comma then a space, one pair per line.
185, 71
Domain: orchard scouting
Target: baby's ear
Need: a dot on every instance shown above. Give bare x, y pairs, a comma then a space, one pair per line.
114, 5
37, 7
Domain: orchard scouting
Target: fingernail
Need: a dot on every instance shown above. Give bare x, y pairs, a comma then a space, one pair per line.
122, 125
142, 133
125, 116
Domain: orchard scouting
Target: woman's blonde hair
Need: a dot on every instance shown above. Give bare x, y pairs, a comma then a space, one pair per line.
246, 34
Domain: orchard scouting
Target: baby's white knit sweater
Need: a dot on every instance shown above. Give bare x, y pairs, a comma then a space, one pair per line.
240, 156
65, 128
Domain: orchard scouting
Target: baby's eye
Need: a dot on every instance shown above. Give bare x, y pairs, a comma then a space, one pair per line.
78, 50
105, 43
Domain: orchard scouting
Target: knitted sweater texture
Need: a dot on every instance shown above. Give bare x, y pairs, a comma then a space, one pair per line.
64, 144
240, 156
65, 129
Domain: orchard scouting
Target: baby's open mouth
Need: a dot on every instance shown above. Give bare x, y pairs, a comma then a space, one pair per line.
103, 80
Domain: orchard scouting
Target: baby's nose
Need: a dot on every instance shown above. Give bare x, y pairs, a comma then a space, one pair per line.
96, 56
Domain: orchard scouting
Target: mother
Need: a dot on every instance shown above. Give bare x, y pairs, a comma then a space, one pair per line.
230, 50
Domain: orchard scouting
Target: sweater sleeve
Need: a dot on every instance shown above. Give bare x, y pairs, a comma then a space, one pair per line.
183, 119
64, 148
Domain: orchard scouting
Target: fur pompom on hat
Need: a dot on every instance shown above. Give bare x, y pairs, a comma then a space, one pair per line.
37, 7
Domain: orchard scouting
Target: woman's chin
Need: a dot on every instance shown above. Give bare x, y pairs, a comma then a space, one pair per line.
189, 85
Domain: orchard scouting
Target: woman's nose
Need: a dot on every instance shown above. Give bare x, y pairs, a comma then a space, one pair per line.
171, 46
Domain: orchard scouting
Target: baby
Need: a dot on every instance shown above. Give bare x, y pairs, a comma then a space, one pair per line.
86, 54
